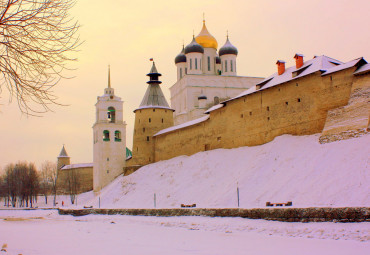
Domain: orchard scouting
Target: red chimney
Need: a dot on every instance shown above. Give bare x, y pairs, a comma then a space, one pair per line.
298, 60
281, 66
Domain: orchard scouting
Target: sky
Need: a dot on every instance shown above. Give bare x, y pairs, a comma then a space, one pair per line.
126, 34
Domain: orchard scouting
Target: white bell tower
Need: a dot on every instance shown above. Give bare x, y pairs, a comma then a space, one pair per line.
109, 138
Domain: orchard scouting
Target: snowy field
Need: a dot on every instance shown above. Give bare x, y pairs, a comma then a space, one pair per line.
45, 232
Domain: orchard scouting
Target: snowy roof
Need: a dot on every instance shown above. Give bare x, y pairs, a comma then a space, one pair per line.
77, 166
344, 66
183, 125
153, 98
215, 107
63, 153
362, 69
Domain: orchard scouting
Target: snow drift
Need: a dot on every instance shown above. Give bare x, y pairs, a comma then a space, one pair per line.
290, 168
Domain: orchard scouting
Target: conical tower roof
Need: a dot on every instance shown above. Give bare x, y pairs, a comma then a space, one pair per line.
63, 153
154, 97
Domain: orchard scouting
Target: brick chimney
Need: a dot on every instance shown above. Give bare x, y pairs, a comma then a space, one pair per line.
298, 60
281, 66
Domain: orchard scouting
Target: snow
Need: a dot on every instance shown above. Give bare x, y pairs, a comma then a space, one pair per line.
290, 168
320, 63
342, 66
215, 107
46, 232
295, 168
363, 69
77, 166
186, 124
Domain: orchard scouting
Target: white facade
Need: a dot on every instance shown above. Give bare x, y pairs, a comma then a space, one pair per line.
207, 73
109, 135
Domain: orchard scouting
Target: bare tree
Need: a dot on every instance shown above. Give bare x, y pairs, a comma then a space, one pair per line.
36, 41
74, 182
48, 179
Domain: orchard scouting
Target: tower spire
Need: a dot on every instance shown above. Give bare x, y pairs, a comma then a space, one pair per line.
109, 77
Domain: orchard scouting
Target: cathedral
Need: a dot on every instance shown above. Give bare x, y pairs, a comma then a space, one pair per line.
211, 107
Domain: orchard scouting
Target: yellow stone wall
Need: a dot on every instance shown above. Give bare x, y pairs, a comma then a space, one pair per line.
85, 178
148, 122
298, 107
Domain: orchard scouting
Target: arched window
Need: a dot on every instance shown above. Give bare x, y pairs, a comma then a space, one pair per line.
196, 63
117, 136
225, 65
209, 63
231, 66
111, 114
180, 73
105, 135
216, 100
191, 64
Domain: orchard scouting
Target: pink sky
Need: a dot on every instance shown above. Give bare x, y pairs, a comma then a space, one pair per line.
125, 34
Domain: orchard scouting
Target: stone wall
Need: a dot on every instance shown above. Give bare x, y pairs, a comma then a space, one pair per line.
298, 107
313, 214
85, 175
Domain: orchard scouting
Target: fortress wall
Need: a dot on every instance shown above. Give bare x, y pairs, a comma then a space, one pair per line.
298, 107
85, 175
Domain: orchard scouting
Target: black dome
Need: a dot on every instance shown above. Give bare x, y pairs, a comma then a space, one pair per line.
180, 58
194, 47
228, 48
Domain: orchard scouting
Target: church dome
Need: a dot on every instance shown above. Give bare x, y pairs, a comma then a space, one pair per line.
180, 58
206, 39
194, 47
228, 48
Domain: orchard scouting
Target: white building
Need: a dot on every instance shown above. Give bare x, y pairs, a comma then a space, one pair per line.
205, 77
109, 139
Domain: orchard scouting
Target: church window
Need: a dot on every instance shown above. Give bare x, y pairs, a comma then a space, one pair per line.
143, 130
162, 120
296, 84
153, 110
286, 103
219, 139
200, 64
137, 149
196, 63
268, 108
105, 135
107, 171
331, 78
107, 159
216, 100
298, 100
231, 66
180, 72
111, 114
225, 65
150, 120
209, 63
191, 64
186, 70
117, 136
147, 138
241, 115
268, 118
250, 113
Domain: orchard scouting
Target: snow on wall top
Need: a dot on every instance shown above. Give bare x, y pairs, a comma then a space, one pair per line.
343, 66
77, 166
363, 69
186, 124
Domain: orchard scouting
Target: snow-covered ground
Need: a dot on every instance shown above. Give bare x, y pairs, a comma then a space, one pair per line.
42, 232
290, 168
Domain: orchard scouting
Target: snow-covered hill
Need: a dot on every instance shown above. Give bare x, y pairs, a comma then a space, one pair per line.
290, 168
